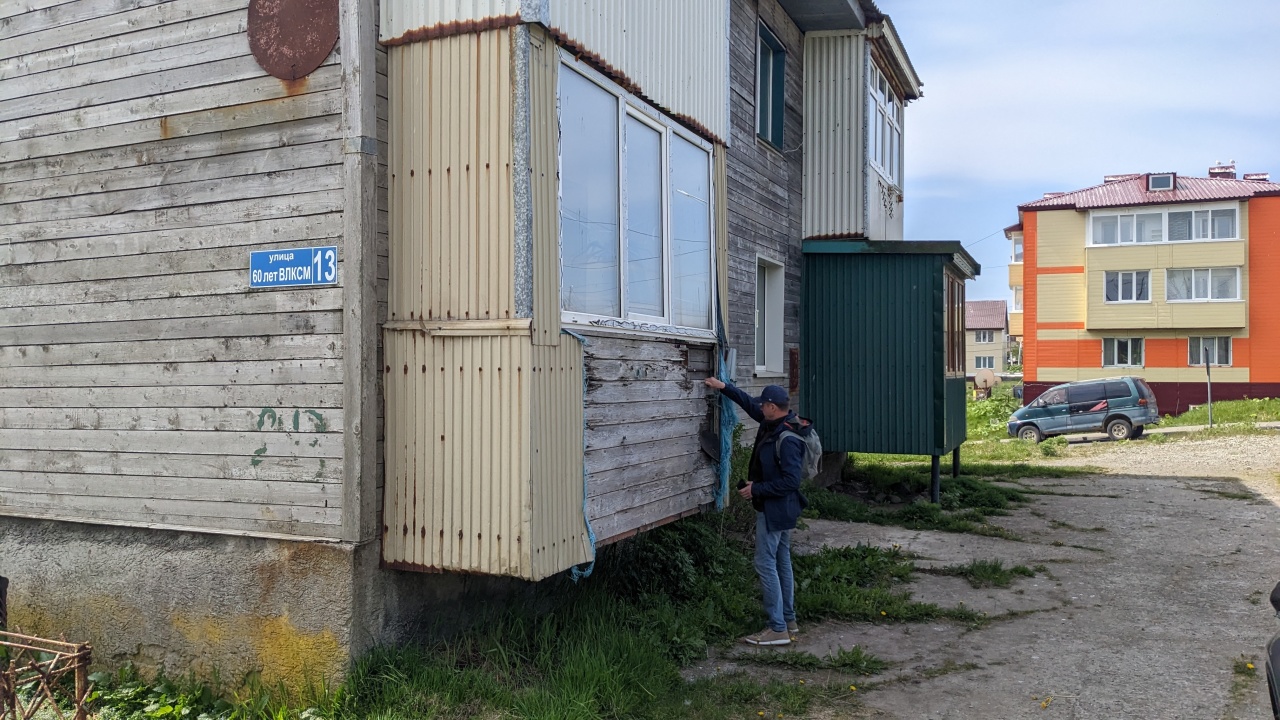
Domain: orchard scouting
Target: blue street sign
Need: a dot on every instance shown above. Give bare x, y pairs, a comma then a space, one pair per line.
293, 268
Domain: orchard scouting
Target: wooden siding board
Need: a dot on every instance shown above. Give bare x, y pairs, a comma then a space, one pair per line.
188, 124
145, 155
627, 429
89, 52
38, 261
104, 465
172, 328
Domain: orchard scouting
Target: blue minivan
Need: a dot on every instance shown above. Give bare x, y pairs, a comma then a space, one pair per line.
1118, 406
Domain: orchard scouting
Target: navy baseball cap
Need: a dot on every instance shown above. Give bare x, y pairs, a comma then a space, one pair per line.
774, 394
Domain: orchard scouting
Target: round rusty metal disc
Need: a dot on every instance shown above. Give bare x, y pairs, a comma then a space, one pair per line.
291, 38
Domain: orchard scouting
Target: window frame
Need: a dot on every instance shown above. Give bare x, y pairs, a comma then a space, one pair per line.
1216, 350
1164, 176
1164, 212
775, 323
1115, 352
953, 330
884, 114
1120, 287
1211, 299
630, 106
984, 362
776, 103
978, 336
1019, 249
1017, 299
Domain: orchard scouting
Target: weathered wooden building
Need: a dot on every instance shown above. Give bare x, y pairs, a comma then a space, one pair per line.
191, 467
818, 92
257, 257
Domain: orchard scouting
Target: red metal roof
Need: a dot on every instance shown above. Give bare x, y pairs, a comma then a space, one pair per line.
985, 315
1132, 190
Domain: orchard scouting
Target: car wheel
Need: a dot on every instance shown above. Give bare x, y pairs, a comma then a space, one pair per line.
1030, 432
1137, 433
1119, 429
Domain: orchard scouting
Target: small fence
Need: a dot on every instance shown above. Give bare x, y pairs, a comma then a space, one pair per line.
32, 670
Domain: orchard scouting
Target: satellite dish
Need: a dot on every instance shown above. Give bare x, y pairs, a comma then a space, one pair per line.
984, 379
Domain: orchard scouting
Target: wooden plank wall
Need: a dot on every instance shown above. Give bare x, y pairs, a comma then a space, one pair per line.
645, 406
144, 154
764, 185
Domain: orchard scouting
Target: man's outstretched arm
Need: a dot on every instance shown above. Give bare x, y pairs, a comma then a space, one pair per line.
745, 401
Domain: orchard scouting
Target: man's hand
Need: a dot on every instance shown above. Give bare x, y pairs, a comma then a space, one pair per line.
745, 491
712, 382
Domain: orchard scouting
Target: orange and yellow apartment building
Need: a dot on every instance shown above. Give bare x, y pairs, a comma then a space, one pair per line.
1150, 275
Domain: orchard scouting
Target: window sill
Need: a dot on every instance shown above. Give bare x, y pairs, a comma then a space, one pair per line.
1126, 302
633, 329
1194, 302
774, 374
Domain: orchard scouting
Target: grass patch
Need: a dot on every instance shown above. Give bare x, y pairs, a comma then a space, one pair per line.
985, 573
1244, 673
967, 501
609, 647
854, 661
1229, 411
1068, 526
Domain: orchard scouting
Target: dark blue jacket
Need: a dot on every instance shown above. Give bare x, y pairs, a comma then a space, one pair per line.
775, 478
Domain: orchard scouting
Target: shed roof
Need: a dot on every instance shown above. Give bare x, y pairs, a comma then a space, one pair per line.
1130, 190
986, 315
963, 261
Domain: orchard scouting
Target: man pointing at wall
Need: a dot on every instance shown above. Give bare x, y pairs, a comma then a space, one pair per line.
773, 487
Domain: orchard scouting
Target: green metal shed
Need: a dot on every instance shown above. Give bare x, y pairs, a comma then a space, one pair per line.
882, 346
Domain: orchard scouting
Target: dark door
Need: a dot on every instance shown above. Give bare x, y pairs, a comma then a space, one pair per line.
1087, 406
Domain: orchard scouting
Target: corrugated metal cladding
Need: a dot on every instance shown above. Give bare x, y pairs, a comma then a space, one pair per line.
872, 349
484, 431
559, 530
457, 492
484, 455
675, 52
452, 207
544, 137
833, 157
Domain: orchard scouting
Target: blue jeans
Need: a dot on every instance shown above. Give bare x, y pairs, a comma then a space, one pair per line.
773, 565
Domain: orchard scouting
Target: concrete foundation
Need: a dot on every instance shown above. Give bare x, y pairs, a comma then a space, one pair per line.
289, 612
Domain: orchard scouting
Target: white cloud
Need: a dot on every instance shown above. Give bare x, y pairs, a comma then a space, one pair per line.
1062, 93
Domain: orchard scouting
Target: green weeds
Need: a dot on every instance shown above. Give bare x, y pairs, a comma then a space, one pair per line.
853, 661
984, 573
1229, 411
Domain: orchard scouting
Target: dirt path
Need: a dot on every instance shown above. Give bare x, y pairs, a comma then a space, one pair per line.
1153, 586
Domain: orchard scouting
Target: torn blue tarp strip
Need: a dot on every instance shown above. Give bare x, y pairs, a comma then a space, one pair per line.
728, 418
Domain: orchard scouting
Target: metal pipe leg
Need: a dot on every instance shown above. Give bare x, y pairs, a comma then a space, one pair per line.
955, 462
935, 491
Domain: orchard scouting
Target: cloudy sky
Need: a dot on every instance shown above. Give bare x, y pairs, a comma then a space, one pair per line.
1023, 98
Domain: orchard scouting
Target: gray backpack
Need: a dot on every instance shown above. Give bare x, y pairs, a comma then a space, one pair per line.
812, 451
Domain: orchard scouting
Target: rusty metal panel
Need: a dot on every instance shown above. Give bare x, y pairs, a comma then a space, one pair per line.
291, 38
834, 157
559, 526
458, 452
451, 186
406, 21
673, 52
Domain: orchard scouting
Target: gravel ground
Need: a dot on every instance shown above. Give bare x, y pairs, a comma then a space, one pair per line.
1253, 459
